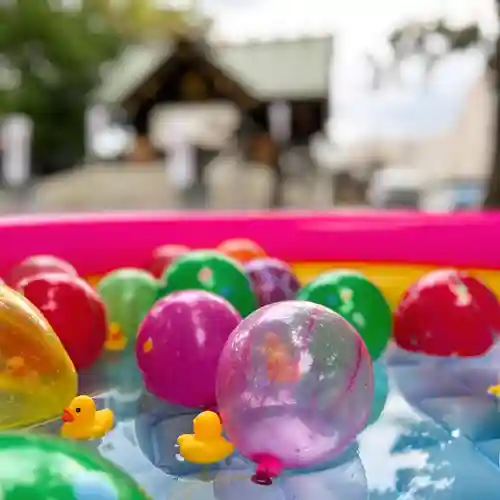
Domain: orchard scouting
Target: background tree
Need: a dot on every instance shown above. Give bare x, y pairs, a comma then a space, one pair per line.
492, 200
459, 39
51, 55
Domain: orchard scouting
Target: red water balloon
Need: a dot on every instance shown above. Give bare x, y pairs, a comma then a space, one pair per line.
163, 256
447, 313
39, 264
74, 310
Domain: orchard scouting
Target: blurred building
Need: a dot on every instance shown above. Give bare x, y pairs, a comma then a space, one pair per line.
438, 125
214, 90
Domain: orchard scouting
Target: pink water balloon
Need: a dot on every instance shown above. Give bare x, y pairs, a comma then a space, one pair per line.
179, 344
294, 386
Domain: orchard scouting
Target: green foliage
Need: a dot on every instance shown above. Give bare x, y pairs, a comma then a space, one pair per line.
411, 38
53, 56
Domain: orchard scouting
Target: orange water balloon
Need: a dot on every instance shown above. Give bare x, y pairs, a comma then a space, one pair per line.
241, 249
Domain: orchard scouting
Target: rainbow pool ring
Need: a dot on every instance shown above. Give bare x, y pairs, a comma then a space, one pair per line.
391, 248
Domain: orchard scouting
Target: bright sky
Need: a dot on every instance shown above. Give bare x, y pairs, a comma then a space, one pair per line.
360, 23
360, 26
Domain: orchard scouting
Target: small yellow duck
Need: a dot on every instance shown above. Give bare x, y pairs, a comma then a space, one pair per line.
116, 341
206, 445
494, 390
83, 422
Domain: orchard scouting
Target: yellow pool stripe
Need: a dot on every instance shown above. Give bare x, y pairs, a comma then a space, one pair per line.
392, 279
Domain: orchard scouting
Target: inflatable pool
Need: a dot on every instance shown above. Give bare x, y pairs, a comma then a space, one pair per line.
393, 249
439, 434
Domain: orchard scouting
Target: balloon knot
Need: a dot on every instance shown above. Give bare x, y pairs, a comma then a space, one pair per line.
268, 467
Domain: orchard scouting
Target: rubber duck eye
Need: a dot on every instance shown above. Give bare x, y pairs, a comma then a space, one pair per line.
77, 410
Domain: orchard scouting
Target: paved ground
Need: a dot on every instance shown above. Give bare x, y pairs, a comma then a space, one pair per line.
147, 187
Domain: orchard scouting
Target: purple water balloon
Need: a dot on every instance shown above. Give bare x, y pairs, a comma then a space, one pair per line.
272, 280
179, 344
294, 386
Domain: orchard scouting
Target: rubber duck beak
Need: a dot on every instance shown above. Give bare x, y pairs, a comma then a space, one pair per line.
67, 416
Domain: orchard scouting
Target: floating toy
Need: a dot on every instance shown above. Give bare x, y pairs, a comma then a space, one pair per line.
359, 301
213, 272
241, 249
447, 313
38, 467
75, 311
163, 256
83, 422
39, 264
296, 422
179, 344
128, 295
494, 390
37, 377
206, 445
115, 340
272, 280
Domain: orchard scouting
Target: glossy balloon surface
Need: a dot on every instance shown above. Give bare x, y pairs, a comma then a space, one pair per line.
359, 301
74, 310
213, 272
128, 295
241, 249
294, 382
39, 264
447, 313
36, 373
163, 256
380, 391
179, 345
59, 470
272, 280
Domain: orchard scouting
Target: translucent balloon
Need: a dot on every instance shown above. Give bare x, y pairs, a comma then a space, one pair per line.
37, 377
179, 345
59, 470
294, 386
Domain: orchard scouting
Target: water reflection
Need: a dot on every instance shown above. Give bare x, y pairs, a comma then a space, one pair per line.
429, 422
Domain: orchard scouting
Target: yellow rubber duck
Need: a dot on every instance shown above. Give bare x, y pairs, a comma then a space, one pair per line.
494, 390
116, 341
83, 422
206, 445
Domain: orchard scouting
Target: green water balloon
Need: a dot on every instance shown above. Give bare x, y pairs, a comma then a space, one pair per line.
39, 467
128, 295
359, 301
213, 272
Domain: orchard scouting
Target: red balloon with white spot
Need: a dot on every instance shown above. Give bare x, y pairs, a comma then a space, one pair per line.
447, 313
